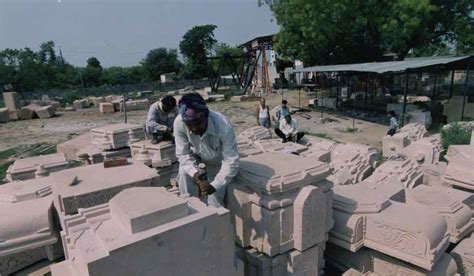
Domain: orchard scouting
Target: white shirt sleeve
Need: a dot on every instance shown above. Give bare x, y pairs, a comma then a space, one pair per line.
183, 148
153, 115
230, 160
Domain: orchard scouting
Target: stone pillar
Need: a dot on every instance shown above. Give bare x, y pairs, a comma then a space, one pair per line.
12, 100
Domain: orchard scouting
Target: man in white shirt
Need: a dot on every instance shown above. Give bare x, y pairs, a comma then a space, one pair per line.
159, 122
288, 130
204, 136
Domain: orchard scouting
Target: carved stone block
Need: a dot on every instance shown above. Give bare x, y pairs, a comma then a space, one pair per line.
427, 150
88, 186
163, 151
255, 133
275, 145
294, 262
116, 136
449, 203
463, 254
29, 112
23, 169
393, 145
195, 241
406, 173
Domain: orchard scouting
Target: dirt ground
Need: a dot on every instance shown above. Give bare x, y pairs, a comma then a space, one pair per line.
242, 115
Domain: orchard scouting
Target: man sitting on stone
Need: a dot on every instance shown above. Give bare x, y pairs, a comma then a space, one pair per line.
206, 138
288, 130
159, 122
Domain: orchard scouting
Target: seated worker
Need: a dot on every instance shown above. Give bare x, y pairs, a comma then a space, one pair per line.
288, 130
160, 119
204, 137
282, 111
393, 123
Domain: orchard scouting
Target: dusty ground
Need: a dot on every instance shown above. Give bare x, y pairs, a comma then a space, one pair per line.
66, 124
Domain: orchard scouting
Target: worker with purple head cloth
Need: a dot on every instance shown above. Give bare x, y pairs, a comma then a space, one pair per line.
204, 137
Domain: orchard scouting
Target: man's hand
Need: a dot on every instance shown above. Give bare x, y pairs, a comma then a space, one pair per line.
204, 187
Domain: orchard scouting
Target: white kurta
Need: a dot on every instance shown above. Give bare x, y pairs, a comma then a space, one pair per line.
216, 148
290, 128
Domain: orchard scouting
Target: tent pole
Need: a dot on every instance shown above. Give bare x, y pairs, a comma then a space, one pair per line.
466, 85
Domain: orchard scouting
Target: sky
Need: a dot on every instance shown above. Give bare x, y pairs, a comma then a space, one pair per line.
121, 32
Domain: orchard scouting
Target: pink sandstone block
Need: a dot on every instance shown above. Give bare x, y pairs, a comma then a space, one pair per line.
270, 201
82, 188
45, 112
449, 203
14, 114
365, 216
255, 133
427, 150
459, 172
23, 169
406, 173
71, 147
96, 243
370, 262
352, 163
12, 100
308, 262
106, 108
4, 115
29, 112
247, 148
163, 151
29, 235
116, 136
392, 145
79, 104
463, 254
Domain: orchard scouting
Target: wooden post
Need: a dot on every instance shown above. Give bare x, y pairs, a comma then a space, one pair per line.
405, 99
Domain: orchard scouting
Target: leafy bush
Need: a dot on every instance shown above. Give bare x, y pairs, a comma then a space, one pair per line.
456, 134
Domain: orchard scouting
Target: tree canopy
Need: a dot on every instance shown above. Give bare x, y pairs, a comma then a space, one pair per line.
345, 31
197, 44
160, 61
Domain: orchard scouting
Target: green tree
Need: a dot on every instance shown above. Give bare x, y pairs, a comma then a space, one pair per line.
93, 72
197, 44
160, 61
343, 31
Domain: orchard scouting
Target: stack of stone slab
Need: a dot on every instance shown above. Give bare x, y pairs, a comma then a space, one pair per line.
112, 137
158, 234
420, 117
132, 105
106, 107
460, 168
352, 163
393, 145
29, 168
161, 156
281, 213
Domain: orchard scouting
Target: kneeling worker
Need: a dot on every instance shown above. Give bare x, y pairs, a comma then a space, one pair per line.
204, 137
159, 122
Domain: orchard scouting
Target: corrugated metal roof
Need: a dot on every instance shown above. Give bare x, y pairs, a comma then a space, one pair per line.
382, 67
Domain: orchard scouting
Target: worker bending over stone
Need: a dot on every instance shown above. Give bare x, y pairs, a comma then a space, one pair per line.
288, 130
159, 122
204, 137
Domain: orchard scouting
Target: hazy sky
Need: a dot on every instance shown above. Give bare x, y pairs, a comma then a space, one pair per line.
121, 32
